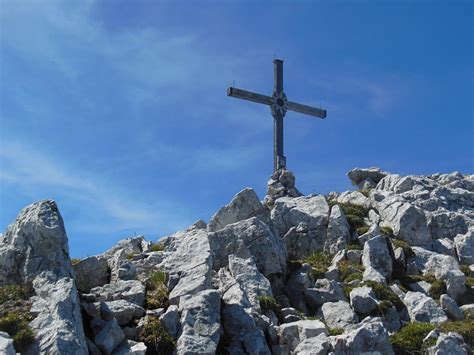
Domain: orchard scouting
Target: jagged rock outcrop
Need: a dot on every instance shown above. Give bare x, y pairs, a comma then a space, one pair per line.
252, 279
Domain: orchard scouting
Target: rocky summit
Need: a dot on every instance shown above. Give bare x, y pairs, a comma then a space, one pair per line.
387, 268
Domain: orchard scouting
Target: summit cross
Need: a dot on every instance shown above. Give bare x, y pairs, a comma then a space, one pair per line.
279, 105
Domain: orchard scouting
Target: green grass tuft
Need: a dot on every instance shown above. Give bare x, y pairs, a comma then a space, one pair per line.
438, 287
267, 303
409, 340
384, 293
16, 324
388, 231
465, 328
362, 230
157, 292
335, 331
470, 281
465, 269
319, 262
75, 261
354, 246
157, 247
14, 293
365, 192
407, 250
350, 270
355, 214
156, 337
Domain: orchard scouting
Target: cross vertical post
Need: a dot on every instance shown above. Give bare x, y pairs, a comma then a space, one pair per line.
279, 161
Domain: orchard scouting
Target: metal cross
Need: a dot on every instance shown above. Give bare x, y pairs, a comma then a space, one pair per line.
279, 105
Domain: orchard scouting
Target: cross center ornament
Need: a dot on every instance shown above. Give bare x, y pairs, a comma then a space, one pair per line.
279, 104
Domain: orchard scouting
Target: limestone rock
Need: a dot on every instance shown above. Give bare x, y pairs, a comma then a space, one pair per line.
354, 198
422, 308
200, 323
319, 345
464, 244
369, 336
58, 323
131, 290
449, 344
377, 260
338, 232
292, 334
281, 184
363, 300
130, 347
250, 237
34, 243
296, 285
338, 314
323, 291
124, 311
244, 205
450, 307
170, 320
366, 178
109, 337
6, 344
91, 272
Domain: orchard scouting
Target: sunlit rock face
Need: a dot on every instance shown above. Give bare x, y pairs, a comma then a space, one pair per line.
292, 274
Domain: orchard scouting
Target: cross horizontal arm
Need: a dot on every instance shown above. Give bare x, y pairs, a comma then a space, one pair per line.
307, 110
250, 96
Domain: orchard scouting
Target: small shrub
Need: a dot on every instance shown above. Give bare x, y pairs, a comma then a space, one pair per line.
16, 325
384, 305
157, 247
131, 256
469, 281
355, 214
354, 246
267, 303
409, 340
384, 293
156, 337
335, 331
465, 328
407, 250
438, 287
355, 222
349, 270
362, 230
386, 231
157, 292
319, 262
75, 261
465, 269
347, 290
13, 293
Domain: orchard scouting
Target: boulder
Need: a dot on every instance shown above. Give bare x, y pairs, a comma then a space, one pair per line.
131, 290
34, 243
292, 334
296, 284
281, 184
124, 311
377, 260
422, 308
338, 233
464, 244
366, 178
109, 337
170, 320
91, 272
323, 291
130, 347
251, 281
244, 205
451, 308
6, 344
354, 198
316, 345
367, 337
250, 237
449, 344
200, 323
239, 325
338, 314
363, 300
188, 261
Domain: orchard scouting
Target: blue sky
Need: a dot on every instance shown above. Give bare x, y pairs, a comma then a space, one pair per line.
118, 109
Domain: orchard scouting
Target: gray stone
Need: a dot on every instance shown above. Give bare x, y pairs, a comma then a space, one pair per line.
367, 337
338, 233
319, 345
109, 337
170, 320
6, 344
354, 198
131, 290
449, 344
244, 205
91, 272
292, 334
200, 323
373, 232
338, 314
443, 246
464, 244
251, 237
324, 290
451, 308
422, 308
363, 300
354, 256
361, 177
377, 260
124, 311
130, 347
296, 285
281, 184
